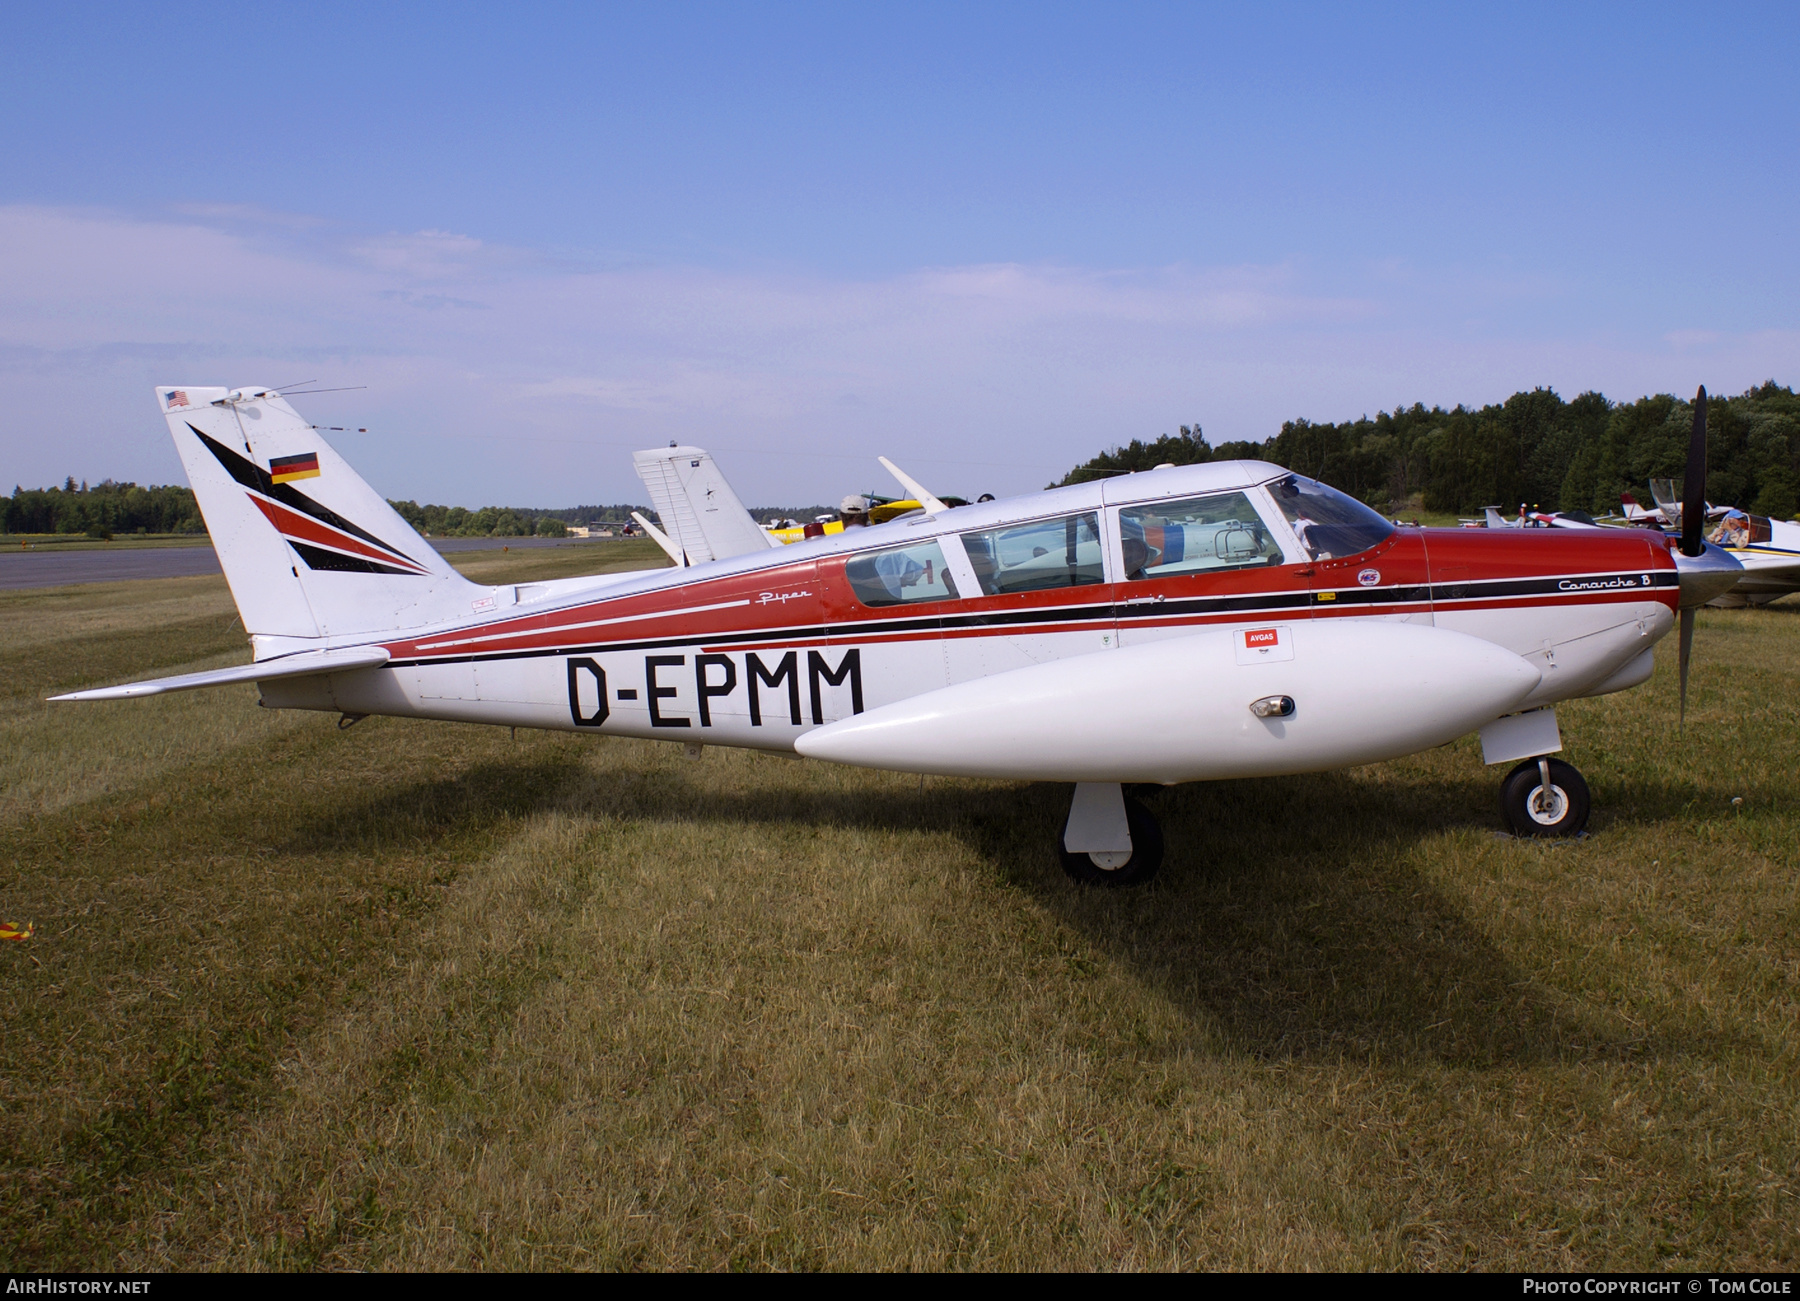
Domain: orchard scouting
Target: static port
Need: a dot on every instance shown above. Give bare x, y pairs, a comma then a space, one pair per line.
1273, 707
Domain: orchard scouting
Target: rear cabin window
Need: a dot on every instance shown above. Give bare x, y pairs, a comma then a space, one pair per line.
1060, 552
1194, 535
901, 576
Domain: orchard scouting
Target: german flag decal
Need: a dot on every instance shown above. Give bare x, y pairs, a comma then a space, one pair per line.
319, 535
285, 469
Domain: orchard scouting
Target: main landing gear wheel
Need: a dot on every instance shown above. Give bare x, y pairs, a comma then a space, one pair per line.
1132, 868
1533, 809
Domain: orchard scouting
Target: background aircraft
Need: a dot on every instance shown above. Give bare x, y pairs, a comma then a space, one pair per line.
1535, 519
1767, 549
1223, 620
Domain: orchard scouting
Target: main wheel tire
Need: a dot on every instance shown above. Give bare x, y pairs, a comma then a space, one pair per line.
1146, 853
1531, 811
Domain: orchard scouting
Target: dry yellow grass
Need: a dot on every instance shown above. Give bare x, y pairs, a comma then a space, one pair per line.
417, 995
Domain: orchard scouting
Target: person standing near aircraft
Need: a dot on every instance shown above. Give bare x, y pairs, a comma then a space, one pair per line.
854, 511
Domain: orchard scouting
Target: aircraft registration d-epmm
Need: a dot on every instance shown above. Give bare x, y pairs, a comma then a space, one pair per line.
1199, 623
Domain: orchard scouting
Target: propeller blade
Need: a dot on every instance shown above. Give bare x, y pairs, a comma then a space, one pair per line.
1693, 488
1687, 647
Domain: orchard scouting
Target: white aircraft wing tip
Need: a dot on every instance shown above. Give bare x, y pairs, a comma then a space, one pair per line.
920, 494
288, 666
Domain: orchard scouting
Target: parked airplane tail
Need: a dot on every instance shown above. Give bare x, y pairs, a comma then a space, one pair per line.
309, 549
701, 515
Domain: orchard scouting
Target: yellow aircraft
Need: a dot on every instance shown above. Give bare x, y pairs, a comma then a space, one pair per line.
874, 509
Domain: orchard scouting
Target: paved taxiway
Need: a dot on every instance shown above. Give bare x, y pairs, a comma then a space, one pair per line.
46, 566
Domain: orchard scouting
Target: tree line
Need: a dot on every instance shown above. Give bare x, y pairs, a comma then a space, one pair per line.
487, 522
100, 511
110, 508
1534, 448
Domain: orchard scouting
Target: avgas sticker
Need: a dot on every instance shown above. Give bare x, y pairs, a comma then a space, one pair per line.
1266, 645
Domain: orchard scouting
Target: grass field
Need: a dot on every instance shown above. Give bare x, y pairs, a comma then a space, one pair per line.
421, 995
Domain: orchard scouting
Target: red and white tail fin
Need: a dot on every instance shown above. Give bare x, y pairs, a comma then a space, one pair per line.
309, 549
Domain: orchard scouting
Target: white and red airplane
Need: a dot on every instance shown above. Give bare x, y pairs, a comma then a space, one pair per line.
1186, 624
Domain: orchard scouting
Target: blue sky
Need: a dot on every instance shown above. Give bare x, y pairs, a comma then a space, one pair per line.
983, 240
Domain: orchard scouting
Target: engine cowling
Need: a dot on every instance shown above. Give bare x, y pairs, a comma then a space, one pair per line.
1327, 694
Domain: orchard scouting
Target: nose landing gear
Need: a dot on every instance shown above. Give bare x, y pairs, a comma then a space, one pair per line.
1544, 797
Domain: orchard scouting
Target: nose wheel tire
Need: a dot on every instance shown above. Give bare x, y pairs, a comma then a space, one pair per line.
1533, 809
1134, 868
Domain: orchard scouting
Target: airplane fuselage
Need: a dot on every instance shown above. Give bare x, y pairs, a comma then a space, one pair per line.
759, 650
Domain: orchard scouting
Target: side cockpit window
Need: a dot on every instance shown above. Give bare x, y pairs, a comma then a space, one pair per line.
901, 575
1060, 552
1194, 535
1329, 524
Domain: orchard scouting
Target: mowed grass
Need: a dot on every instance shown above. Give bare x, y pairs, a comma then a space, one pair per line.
418, 995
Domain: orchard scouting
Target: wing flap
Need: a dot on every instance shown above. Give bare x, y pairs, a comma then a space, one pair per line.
301, 665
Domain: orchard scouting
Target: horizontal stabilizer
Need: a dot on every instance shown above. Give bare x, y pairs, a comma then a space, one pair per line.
288, 666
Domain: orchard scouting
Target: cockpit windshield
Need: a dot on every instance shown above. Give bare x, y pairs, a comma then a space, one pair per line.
1329, 524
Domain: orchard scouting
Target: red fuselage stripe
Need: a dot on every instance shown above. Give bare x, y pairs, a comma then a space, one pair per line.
292, 524
550, 639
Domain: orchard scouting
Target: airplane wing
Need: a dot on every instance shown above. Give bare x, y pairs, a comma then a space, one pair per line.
1768, 570
700, 513
301, 665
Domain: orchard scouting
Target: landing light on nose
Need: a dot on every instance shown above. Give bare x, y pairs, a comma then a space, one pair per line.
1273, 707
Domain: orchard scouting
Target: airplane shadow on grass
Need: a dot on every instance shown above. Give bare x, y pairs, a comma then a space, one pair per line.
429, 813
1287, 921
